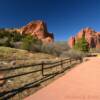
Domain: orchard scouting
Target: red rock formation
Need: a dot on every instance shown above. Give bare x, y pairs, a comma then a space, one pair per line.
98, 40
38, 29
71, 42
92, 37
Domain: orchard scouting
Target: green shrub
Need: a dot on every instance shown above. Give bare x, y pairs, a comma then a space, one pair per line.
81, 44
29, 42
9, 38
15, 37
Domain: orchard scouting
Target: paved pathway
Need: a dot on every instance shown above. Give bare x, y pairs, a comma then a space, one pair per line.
81, 83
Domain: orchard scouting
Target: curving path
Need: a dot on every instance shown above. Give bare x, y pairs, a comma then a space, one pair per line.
81, 83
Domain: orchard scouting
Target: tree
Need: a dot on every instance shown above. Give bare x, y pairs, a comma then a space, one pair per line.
81, 44
16, 36
77, 45
84, 44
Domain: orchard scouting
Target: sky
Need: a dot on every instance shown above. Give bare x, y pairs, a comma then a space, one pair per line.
63, 17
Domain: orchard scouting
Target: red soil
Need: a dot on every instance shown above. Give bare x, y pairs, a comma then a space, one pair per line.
81, 83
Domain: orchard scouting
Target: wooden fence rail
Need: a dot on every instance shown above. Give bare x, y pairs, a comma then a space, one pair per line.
43, 66
51, 65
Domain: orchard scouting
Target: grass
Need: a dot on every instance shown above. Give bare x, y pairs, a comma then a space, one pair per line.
28, 57
20, 57
7, 53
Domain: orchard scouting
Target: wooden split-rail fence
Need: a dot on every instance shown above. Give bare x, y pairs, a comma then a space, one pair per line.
45, 76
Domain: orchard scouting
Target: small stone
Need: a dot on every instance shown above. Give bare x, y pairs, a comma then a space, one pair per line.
13, 63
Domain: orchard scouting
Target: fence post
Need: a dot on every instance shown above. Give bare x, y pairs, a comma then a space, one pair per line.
81, 60
42, 68
70, 61
62, 64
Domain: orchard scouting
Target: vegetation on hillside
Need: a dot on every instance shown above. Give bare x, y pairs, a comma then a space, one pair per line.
14, 39
28, 42
8, 38
81, 44
17, 40
12, 54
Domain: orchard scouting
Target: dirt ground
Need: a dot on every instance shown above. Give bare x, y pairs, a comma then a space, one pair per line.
81, 83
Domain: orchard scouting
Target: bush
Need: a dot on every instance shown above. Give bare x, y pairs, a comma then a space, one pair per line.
55, 49
81, 44
95, 50
9, 38
29, 42
74, 54
50, 49
15, 37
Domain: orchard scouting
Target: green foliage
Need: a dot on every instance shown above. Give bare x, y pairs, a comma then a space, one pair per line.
28, 42
15, 39
77, 45
8, 38
4, 38
16, 36
84, 44
81, 44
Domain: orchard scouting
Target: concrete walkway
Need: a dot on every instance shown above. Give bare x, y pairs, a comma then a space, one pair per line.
81, 83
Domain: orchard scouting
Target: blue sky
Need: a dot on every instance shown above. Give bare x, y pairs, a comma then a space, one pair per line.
63, 17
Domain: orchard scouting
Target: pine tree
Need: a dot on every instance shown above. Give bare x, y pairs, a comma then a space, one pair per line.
84, 44
81, 44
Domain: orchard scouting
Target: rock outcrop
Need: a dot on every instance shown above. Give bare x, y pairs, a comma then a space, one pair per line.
71, 41
39, 30
92, 37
